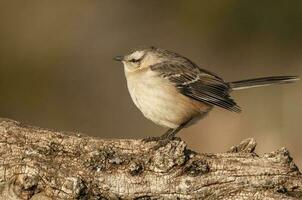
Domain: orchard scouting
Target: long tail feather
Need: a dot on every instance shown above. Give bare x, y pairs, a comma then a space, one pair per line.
265, 81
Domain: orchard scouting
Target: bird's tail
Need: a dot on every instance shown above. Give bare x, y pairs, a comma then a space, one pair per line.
265, 81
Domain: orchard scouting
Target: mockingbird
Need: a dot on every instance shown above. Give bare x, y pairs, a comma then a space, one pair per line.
173, 92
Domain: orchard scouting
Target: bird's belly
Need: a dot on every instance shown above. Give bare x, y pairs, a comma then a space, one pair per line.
160, 102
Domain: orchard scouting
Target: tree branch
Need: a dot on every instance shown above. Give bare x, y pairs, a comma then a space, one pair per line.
44, 164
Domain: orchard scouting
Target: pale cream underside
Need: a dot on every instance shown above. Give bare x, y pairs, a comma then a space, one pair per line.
160, 101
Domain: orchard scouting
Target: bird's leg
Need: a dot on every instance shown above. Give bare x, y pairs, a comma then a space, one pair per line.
169, 135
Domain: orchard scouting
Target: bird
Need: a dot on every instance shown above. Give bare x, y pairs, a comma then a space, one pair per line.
174, 92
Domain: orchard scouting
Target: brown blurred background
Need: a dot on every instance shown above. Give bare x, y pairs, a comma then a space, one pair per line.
56, 67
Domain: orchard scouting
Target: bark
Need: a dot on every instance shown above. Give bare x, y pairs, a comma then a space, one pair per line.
42, 164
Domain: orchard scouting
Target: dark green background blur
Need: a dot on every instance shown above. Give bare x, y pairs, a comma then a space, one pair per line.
56, 67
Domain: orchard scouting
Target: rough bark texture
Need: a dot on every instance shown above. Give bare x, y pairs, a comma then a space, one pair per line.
43, 164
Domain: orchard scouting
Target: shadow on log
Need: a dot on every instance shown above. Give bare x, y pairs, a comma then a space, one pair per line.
43, 164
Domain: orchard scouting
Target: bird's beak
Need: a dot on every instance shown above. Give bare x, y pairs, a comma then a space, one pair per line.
119, 58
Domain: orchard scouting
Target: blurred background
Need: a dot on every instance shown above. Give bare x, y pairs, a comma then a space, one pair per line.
56, 67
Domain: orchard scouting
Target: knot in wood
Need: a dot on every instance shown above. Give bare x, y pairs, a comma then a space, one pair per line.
246, 146
136, 169
165, 158
74, 187
25, 185
197, 168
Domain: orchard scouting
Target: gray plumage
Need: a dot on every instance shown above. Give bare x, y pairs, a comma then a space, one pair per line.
163, 84
205, 86
197, 83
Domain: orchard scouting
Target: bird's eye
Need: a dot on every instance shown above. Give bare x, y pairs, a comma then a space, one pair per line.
134, 60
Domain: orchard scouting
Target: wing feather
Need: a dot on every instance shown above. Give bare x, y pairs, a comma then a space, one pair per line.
197, 83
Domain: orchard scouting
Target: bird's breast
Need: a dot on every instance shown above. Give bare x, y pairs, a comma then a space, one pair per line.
160, 101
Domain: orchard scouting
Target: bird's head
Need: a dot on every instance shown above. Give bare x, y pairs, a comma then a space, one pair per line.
142, 59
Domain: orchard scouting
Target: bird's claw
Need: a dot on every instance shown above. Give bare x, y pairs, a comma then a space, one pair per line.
160, 141
152, 139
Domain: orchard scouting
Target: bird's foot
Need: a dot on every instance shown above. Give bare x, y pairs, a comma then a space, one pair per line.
161, 141
153, 139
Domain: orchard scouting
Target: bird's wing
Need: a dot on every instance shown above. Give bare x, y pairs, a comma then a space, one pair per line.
197, 83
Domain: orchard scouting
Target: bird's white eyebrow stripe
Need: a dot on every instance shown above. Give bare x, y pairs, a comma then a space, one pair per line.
138, 55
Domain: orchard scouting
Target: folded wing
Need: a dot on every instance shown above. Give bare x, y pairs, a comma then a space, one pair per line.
197, 83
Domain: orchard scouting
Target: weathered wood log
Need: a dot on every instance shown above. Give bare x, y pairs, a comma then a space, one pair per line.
43, 164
